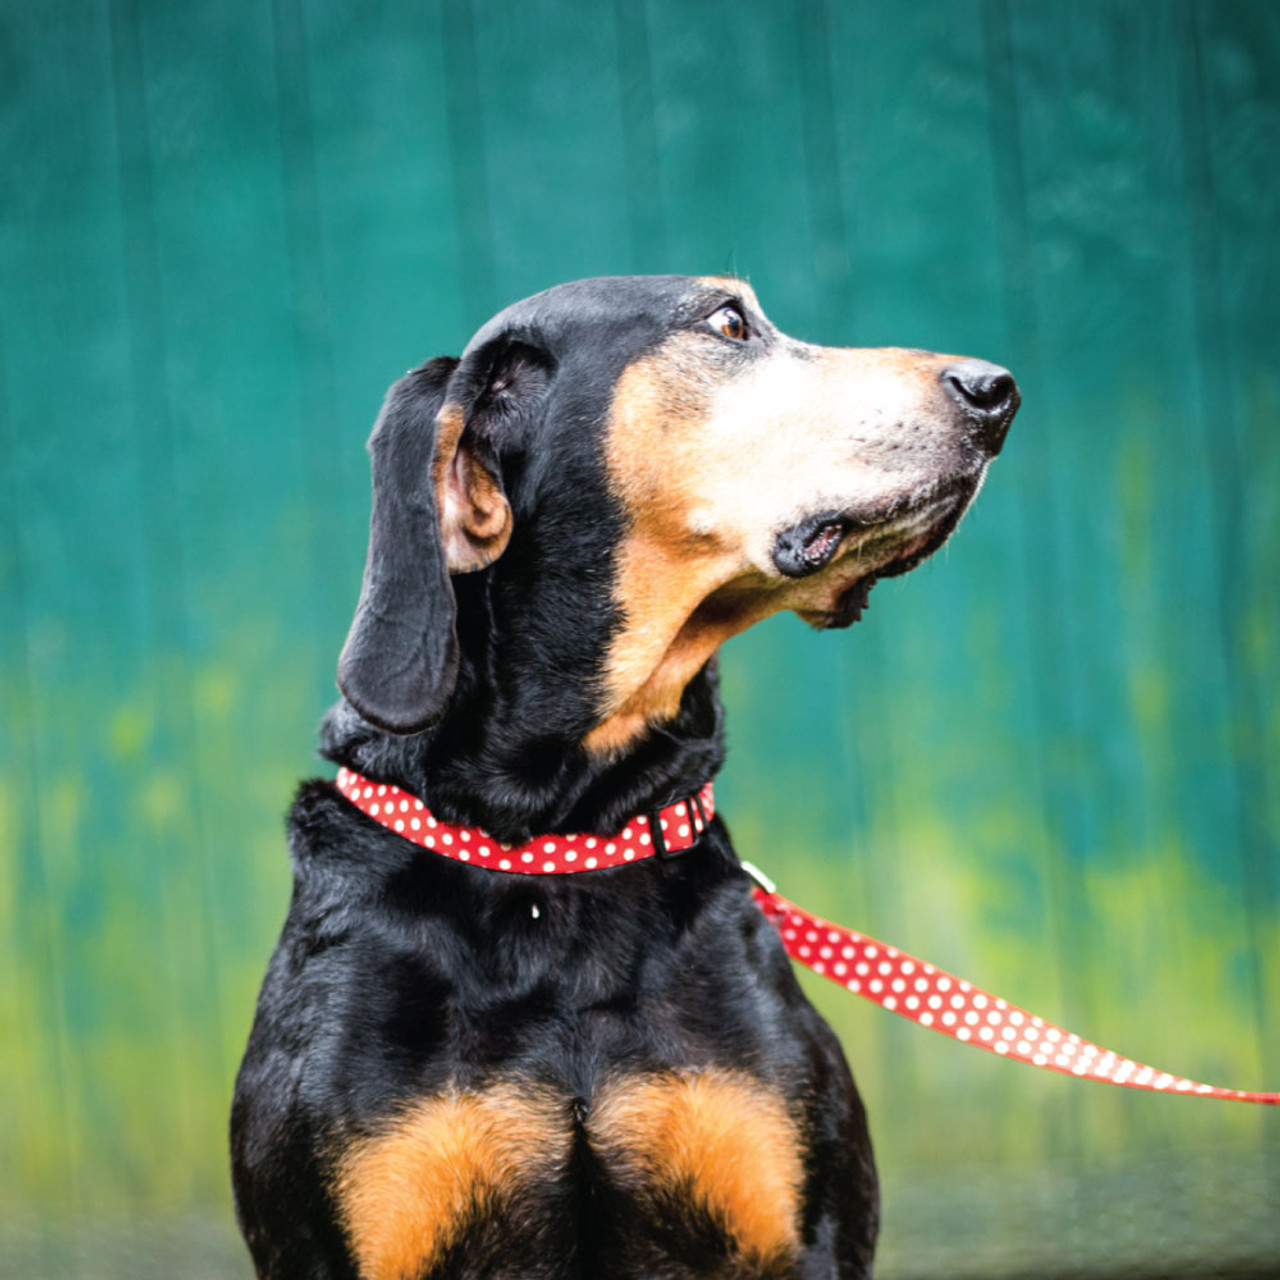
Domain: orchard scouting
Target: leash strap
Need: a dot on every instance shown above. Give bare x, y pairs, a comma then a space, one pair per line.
939, 1000
880, 973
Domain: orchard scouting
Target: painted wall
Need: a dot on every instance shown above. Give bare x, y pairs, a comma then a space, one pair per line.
1048, 759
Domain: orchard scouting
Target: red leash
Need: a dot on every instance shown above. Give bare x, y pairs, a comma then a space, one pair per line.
942, 1002
880, 973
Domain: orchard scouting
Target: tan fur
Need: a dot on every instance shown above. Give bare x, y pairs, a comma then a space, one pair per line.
404, 1191
711, 461
719, 1138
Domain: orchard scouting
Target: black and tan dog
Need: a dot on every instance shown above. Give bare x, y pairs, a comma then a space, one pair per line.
456, 1071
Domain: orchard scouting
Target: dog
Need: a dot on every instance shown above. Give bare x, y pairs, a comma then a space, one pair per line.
457, 1070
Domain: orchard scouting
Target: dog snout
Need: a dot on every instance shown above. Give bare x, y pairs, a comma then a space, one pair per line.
987, 394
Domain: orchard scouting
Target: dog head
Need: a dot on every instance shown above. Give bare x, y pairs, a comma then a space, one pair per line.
643, 467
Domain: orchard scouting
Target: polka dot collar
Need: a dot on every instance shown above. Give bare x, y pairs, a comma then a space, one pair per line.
880, 973
667, 831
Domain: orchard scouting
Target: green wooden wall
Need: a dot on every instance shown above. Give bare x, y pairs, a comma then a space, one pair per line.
1047, 759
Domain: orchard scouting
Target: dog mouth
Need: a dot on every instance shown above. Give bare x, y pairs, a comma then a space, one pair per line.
860, 547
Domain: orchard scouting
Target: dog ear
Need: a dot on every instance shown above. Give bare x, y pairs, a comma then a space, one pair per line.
400, 660
438, 509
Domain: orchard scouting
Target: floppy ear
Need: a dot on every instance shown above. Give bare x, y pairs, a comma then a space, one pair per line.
400, 660
438, 508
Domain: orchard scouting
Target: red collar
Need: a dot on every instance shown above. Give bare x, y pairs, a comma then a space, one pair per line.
882, 974
672, 829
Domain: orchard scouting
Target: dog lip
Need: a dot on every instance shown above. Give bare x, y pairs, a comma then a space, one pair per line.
810, 545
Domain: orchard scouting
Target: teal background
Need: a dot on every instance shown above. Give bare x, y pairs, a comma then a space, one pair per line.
1046, 760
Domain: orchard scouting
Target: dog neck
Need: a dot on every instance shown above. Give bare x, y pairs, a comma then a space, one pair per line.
509, 754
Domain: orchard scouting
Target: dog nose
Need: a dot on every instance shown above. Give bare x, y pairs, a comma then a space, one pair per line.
988, 394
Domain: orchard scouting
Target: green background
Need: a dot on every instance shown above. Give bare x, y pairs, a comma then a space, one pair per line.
1046, 760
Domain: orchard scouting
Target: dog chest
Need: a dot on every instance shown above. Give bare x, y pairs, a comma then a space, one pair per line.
659, 1167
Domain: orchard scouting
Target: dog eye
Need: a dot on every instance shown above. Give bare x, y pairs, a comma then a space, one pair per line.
729, 321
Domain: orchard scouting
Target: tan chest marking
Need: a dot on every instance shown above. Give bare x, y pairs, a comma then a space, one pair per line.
719, 1138
405, 1191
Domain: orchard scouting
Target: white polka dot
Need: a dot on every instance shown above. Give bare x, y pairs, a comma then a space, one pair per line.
971, 1018
885, 967
963, 1033
548, 866
863, 968
840, 968
446, 838
922, 984
985, 1033
876, 985
591, 842
368, 793
1016, 1018
926, 1019
935, 1002
847, 952
644, 837
890, 1002
626, 833
417, 804
416, 823
682, 830
549, 847
958, 1002
404, 806
465, 836
465, 855
908, 967
373, 810
628, 854
949, 1019
979, 1001
994, 1017
872, 952
429, 841
1023, 1048
913, 1002
484, 850
382, 791
610, 848
1001, 1047
944, 984
504, 864
591, 862
853, 984
570, 855
899, 985
526, 856
1039, 1059
399, 824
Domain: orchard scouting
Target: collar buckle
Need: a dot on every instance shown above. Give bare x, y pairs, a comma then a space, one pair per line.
698, 824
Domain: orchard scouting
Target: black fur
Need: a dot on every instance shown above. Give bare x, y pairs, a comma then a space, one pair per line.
398, 970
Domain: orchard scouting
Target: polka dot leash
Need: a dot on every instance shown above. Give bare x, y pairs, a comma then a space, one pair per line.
880, 973
943, 1002
670, 830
